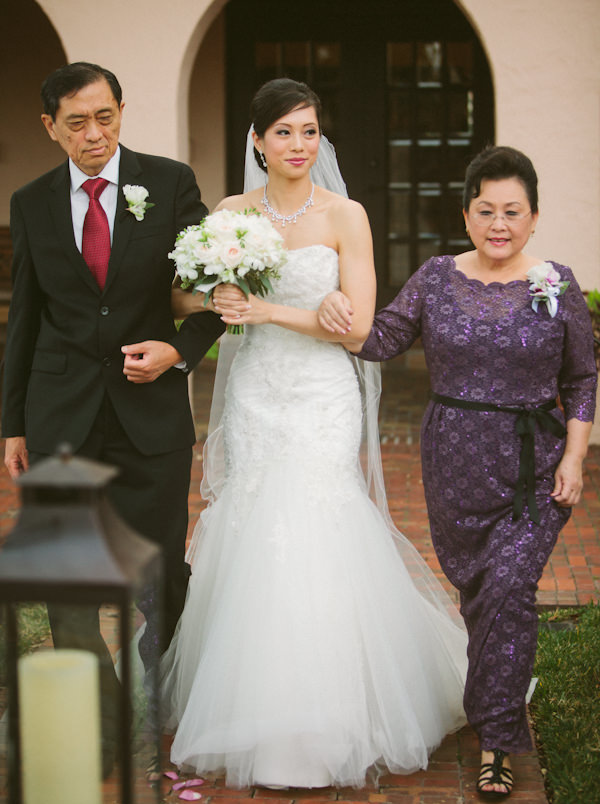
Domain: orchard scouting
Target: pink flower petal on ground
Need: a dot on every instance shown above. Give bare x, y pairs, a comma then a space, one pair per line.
189, 795
188, 783
171, 775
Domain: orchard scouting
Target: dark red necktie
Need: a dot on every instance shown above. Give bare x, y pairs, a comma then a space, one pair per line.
95, 246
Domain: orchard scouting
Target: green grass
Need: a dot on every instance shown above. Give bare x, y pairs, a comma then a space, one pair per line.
213, 352
33, 630
566, 705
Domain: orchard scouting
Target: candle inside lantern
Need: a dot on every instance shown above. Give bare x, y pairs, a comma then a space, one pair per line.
60, 727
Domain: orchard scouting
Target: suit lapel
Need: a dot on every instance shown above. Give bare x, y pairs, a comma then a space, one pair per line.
129, 173
60, 210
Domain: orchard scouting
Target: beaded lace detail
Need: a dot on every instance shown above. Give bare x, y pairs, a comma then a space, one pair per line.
291, 395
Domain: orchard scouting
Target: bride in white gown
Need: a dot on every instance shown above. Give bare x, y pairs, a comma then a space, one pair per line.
315, 644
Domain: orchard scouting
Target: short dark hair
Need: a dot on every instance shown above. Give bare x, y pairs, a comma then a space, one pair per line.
500, 162
70, 79
276, 98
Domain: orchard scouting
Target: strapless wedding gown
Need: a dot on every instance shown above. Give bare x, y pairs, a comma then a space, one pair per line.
305, 654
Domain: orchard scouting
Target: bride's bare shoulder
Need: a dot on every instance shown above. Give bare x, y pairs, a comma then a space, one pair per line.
334, 202
239, 203
344, 210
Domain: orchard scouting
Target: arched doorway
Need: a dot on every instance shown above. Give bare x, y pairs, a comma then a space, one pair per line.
31, 49
408, 99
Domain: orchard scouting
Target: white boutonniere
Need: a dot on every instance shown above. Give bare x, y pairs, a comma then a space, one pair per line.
136, 196
545, 286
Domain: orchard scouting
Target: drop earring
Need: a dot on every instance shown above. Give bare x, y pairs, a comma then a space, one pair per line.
263, 160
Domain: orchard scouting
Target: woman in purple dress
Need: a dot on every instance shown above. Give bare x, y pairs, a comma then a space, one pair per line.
504, 335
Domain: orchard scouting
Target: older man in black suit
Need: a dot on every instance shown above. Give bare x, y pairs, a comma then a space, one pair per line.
93, 357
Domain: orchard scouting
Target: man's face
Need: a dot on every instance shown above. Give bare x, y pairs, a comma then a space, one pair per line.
87, 126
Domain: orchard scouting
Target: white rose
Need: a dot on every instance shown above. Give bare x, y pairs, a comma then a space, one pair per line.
135, 194
232, 254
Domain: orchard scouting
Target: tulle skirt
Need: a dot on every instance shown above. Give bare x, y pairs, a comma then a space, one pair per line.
305, 655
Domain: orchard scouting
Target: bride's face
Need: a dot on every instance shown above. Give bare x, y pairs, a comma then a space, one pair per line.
291, 144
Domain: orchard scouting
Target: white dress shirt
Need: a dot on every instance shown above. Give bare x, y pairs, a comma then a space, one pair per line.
80, 200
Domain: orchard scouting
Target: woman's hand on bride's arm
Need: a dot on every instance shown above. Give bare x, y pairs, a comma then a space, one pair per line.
335, 313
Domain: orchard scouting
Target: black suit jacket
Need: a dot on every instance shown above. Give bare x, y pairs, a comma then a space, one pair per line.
64, 334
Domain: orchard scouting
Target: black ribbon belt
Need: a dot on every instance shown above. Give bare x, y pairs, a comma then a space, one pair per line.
526, 422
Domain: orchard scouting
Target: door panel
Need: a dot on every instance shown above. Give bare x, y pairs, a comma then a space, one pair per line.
407, 101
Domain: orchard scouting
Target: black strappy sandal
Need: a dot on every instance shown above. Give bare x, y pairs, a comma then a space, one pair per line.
494, 773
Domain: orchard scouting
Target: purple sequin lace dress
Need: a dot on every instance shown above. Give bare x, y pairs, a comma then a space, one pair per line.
484, 343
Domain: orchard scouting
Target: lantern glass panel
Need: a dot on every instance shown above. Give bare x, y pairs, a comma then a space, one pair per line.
72, 554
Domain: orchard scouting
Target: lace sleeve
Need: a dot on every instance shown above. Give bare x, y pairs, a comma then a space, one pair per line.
397, 326
578, 375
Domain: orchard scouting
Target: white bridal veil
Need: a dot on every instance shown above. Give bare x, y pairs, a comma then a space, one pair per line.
325, 173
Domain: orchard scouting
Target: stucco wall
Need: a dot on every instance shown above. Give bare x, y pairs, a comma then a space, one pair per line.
151, 50
207, 134
545, 63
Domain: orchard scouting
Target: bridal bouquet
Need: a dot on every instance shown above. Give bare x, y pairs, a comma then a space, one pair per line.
242, 248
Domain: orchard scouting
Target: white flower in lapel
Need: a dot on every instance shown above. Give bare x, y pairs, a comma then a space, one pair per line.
136, 196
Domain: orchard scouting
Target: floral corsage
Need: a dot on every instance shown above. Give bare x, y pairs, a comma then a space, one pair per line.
545, 286
136, 196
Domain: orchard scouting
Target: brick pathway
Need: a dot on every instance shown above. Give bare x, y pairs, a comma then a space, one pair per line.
572, 577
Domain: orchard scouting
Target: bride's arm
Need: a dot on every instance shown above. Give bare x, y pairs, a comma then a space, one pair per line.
357, 281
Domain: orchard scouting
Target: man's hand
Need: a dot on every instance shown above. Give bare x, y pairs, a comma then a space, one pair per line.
16, 457
335, 313
146, 361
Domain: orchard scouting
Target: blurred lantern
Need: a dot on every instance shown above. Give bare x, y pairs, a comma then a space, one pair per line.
70, 549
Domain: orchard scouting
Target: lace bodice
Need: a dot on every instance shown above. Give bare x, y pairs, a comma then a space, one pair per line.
308, 276
290, 394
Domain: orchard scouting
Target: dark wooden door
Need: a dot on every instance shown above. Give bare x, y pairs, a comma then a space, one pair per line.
407, 99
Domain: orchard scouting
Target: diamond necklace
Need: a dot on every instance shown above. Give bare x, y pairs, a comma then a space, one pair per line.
277, 217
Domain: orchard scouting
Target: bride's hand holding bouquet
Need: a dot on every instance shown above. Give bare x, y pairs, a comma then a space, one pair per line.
236, 309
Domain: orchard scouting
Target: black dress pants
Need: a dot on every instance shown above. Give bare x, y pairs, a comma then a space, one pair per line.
151, 494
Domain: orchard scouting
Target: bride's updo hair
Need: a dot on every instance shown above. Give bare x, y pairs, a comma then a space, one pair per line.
276, 98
